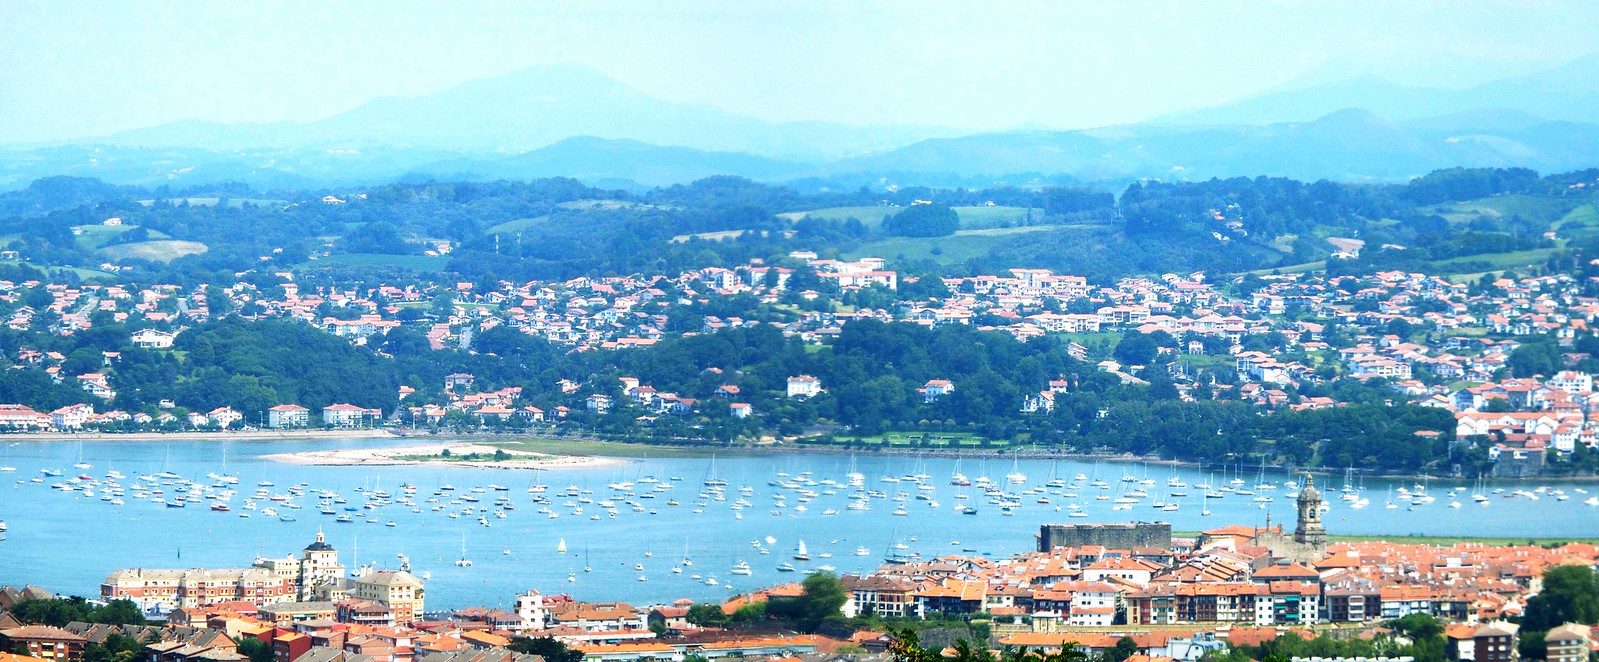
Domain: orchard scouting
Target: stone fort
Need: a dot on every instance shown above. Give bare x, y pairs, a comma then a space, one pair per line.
1115, 536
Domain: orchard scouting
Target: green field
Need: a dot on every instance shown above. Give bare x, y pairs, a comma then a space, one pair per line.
154, 251
517, 225
962, 246
1526, 206
972, 218
418, 263
211, 202
85, 274
1495, 261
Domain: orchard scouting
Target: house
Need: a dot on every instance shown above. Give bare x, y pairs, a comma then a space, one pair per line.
804, 386
224, 416
598, 403
288, 416
458, 380
346, 415
45, 642
153, 339
935, 389
398, 590
71, 417
740, 409
95, 384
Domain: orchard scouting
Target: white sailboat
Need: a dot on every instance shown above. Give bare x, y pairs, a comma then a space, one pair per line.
463, 561
560, 547
800, 554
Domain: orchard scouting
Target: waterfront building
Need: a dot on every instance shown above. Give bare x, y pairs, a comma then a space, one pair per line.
398, 590
316, 574
288, 416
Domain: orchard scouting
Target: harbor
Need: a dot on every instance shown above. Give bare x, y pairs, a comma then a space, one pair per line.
650, 529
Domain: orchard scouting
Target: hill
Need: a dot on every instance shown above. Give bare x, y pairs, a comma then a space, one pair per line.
1567, 93
591, 159
533, 108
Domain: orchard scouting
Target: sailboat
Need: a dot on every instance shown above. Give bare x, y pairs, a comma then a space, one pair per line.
81, 464
560, 547
801, 554
463, 561
1016, 477
7, 468
711, 479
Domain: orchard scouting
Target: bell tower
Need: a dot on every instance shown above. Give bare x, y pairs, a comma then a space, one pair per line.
1309, 530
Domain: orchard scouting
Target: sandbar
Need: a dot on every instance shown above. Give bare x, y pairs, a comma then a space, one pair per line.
432, 454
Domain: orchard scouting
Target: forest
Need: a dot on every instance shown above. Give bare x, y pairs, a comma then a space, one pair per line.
562, 228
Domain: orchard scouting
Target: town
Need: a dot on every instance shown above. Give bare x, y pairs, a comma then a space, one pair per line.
1504, 356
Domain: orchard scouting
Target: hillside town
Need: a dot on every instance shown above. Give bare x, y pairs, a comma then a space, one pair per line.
1435, 342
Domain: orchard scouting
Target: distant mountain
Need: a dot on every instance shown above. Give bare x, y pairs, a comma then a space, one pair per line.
534, 108
1349, 144
1566, 93
598, 159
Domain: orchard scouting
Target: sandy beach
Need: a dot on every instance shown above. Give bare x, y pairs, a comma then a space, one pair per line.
220, 435
430, 454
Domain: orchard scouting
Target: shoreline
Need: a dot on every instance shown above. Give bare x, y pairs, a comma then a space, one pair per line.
201, 435
432, 455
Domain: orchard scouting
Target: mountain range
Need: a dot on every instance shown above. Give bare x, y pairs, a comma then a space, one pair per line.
574, 121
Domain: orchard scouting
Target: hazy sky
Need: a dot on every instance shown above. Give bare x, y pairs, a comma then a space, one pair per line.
76, 68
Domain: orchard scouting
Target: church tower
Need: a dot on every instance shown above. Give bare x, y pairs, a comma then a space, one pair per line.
1309, 530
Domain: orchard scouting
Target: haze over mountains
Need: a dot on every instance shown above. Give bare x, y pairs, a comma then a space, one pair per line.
574, 121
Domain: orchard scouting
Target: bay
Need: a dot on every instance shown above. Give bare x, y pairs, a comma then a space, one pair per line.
68, 542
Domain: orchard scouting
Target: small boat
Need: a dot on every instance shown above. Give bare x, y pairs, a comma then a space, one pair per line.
741, 568
800, 554
785, 567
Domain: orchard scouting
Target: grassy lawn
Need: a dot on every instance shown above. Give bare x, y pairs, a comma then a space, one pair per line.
917, 439
418, 263
154, 251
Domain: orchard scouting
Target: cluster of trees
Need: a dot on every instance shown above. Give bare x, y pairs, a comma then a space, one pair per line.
923, 221
1570, 594
114, 648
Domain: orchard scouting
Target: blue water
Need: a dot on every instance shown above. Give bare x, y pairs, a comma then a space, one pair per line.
68, 543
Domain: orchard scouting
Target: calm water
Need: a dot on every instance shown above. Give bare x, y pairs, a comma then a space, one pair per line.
67, 542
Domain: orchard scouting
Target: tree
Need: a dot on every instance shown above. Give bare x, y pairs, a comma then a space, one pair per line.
545, 647
1135, 349
1570, 595
822, 598
906, 647
923, 221
706, 615
1125, 647
255, 649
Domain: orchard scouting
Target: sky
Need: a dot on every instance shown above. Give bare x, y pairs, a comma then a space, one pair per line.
74, 68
